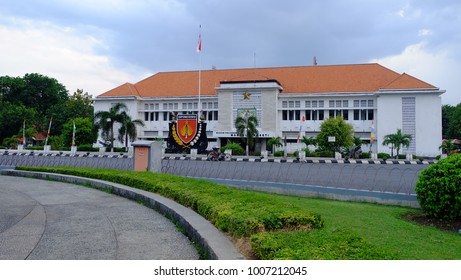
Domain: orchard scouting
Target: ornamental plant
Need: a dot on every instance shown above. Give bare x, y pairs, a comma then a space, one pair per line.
439, 189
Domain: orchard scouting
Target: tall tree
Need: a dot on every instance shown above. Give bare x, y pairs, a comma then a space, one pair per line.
105, 120
246, 129
397, 140
128, 129
337, 127
85, 132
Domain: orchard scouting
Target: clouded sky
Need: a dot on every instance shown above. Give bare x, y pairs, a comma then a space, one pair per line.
99, 44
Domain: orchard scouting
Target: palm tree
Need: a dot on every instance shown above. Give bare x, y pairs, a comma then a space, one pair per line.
309, 141
447, 146
397, 140
128, 129
105, 121
246, 128
275, 141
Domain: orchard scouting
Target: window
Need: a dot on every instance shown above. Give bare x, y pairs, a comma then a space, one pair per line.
284, 115
297, 115
339, 113
331, 104
291, 104
314, 104
210, 115
284, 104
345, 103
291, 115
363, 103
331, 114
371, 114
146, 116
308, 115
338, 103
165, 116
314, 115
370, 103
356, 115
204, 105
165, 106
151, 116
307, 104
215, 113
363, 115
297, 104
346, 115
321, 103
146, 106
321, 115
356, 103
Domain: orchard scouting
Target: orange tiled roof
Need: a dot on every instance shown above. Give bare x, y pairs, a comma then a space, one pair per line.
294, 80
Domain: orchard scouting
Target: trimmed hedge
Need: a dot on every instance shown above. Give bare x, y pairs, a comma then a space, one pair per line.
237, 150
240, 213
438, 189
337, 244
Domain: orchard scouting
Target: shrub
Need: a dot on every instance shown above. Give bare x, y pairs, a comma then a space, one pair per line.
365, 155
35, 148
278, 154
87, 148
323, 153
438, 189
237, 150
384, 156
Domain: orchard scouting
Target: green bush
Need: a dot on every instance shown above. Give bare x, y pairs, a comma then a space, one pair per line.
438, 189
323, 153
35, 148
237, 150
87, 148
338, 244
384, 156
278, 154
366, 155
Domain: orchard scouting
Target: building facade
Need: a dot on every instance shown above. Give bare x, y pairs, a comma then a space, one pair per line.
289, 102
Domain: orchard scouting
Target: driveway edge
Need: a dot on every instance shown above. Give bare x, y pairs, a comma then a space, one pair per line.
197, 228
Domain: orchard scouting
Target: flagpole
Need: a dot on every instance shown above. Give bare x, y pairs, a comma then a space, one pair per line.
48, 133
24, 133
199, 50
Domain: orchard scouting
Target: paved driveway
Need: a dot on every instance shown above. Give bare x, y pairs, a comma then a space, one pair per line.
51, 220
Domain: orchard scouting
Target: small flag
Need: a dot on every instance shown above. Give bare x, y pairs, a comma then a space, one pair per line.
49, 129
301, 128
199, 45
372, 134
73, 134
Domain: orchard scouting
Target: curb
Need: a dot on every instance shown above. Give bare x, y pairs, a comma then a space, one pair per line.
198, 229
343, 161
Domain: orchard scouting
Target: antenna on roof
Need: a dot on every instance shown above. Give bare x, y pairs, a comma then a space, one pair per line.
315, 61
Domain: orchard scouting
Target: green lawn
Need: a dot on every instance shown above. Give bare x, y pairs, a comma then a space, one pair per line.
284, 227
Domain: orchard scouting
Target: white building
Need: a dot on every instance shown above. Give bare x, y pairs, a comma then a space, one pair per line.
365, 95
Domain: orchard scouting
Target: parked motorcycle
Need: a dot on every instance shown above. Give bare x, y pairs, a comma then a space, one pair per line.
216, 155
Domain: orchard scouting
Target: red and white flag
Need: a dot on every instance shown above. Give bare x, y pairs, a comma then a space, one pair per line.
199, 45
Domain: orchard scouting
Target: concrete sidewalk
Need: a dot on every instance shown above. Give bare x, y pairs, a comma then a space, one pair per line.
60, 221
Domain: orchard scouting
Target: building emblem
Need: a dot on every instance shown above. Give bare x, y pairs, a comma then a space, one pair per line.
186, 131
246, 95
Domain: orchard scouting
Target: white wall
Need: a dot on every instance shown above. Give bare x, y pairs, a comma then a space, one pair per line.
428, 121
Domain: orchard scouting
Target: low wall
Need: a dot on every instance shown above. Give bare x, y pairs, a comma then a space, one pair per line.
92, 160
